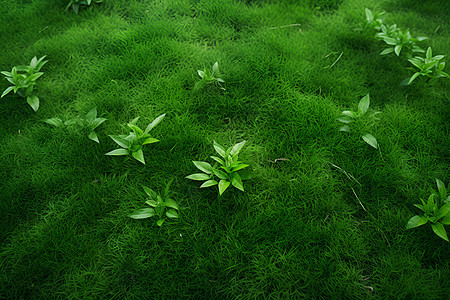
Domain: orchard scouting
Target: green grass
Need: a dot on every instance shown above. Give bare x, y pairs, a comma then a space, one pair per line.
298, 231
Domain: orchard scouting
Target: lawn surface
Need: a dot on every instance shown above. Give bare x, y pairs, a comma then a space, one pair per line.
303, 228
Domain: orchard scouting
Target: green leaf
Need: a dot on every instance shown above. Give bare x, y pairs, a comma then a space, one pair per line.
137, 131
33, 101
239, 167
160, 222
154, 123
350, 113
121, 141
93, 136
139, 155
416, 221
219, 149
345, 119
172, 213
363, 105
371, 140
369, 15
345, 128
237, 148
151, 193
198, 176
171, 203
153, 203
446, 220
223, 185
143, 213
91, 115
118, 152
236, 181
201, 73
209, 183
34, 77
439, 229
221, 174
57, 122
390, 41
397, 49
7, 90
387, 51
441, 189
204, 166
443, 211
150, 140
415, 75
220, 161
96, 122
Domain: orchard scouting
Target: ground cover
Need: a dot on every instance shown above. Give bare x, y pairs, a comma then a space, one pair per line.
324, 214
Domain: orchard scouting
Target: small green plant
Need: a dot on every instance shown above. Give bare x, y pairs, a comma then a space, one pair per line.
209, 77
374, 20
436, 210
76, 4
161, 207
429, 66
399, 40
362, 120
133, 143
86, 124
227, 167
23, 79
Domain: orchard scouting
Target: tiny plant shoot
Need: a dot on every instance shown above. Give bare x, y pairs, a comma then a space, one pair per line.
162, 207
361, 119
209, 77
23, 79
398, 40
133, 143
436, 210
429, 66
227, 168
86, 124
76, 4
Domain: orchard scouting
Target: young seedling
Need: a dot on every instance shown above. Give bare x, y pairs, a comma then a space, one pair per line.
429, 66
374, 20
362, 119
161, 207
75, 4
209, 77
399, 40
88, 124
436, 210
23, 79
133, 143
227, 167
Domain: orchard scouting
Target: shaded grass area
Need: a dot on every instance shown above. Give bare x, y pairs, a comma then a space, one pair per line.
298, 231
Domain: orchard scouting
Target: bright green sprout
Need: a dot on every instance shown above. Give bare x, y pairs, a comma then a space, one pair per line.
361, 119
23, 79
161, 207
429, 66
76, 4
436, 210
399, 40
132, 143
88, 124
228, 169
209, 77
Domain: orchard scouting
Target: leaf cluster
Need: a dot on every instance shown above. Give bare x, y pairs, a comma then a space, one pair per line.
399, 40
88, 123
361, 120
436, 211
76, 4
133, 143
162, 207
209, 77
429, 66
374, 20
227, 168
23, 79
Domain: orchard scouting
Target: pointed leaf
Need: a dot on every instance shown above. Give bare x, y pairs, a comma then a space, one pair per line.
93, 136
150, 140
441, 189
57, 122
345, 128
446, 219
151, 193
223, 185
371, 140
345, 119
201, 73
439, 229
237, 148
171, 203
413, 77
220, 161
363, 105
120, 140
209, 183
221, 150
204, 167
160, 222
139, 155
198, 176
443, 211
91, 115
143, 213
387, 51
239, 167
172, 213
236, 181
118, 152
416, 221
397, 49
7, 90
33, 101
154, 123
221, 174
